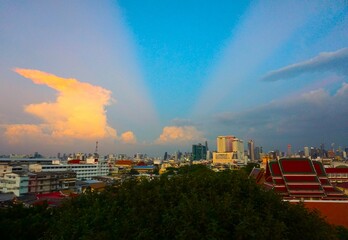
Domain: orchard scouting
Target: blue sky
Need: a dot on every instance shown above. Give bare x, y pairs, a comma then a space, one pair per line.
171, 74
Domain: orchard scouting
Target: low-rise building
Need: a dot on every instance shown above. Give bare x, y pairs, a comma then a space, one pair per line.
45, 182
83, 171
337, 175
144, 168
16, 183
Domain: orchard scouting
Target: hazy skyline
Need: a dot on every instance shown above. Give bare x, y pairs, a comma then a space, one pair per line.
156, 76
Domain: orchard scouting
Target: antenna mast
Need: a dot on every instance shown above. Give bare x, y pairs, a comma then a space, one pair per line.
96, 147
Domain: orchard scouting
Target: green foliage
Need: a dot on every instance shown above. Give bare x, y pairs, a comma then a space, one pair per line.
249, 167
133, 172
195, 203
342, 233
18, 222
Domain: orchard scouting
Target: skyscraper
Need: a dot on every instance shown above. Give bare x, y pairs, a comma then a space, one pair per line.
230, 150
306, 152
289, 150
257, 153
224, 143
199, 152
251, 150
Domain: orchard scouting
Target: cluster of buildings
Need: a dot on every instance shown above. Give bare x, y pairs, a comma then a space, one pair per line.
23, 175
320, 175
314, 176
230, 149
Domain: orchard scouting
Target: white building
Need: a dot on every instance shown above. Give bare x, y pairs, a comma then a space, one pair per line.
306, 152
16, 183
83, 171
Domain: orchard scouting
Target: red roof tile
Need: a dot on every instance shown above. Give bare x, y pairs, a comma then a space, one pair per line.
336, 170
336, 212
298, 177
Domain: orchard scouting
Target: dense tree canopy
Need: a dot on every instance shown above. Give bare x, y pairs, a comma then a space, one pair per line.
195, 203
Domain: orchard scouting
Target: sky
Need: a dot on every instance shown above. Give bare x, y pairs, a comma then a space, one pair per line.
158, 76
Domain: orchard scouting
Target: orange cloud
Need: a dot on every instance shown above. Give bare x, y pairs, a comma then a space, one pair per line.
16, 132
128, 137
78, 113
177, 134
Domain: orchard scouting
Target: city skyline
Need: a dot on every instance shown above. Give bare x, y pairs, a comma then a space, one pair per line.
158, 76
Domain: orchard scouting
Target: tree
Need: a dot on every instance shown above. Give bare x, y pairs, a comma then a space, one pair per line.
195, 203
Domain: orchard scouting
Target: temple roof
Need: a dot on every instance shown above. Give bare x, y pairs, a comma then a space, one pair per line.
300, 178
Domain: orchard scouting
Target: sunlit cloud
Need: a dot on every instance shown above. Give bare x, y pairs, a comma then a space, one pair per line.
18, 132
128, 137
78, 112
326, 61
179, 134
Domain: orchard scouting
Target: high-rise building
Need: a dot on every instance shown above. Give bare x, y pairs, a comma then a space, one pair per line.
238, 148
199, 152
251, 151
257, 153
224, 143
289, 150
306, 152
230, 150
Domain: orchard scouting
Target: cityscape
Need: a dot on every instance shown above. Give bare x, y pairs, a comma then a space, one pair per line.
174, 119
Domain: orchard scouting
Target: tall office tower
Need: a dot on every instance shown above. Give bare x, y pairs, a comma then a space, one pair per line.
221, 144
199, 152
224, 143
257, 153
229, 150
251, 151
289, 150
229, 143
306, 151
206, 145
165, 156
238, 148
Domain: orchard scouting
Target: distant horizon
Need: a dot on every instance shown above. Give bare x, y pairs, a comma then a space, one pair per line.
130, 154
154, 78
